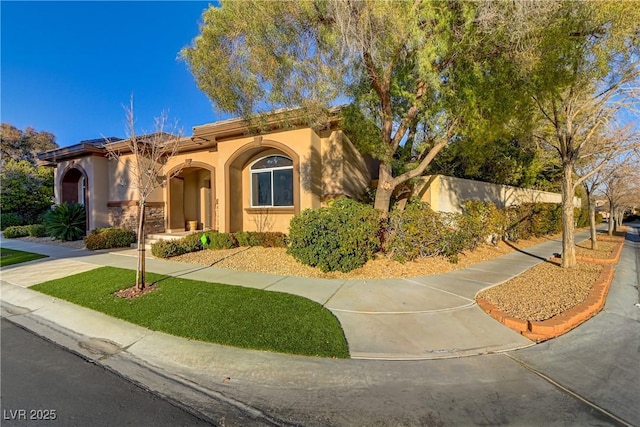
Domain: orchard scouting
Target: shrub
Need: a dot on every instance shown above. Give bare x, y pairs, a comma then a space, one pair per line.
418, 231
268, 239
220, 240
66, 221
479, 221
245, 238
107, 238
271, 239
37, 230
167, 249
95, 241
340, 237
581, 217
16, 231
10, 219
191, 242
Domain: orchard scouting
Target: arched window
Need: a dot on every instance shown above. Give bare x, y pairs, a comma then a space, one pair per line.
272, 182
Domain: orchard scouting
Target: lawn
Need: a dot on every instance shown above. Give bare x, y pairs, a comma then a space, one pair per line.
223, 314
11, 256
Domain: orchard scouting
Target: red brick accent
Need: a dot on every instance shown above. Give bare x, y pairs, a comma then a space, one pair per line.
613, 260
562, 323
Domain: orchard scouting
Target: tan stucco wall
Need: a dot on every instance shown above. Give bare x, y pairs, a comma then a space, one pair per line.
356, 174
447, 194
122, 185
303, 143
96, 169
212, 186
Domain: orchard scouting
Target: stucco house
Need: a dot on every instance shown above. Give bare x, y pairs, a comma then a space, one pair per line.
228, 177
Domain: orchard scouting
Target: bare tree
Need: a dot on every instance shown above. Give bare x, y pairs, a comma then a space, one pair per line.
621, 186
609, 150
144, 158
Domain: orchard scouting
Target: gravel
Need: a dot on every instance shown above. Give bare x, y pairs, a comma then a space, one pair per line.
277, 261
76, 244
544, 290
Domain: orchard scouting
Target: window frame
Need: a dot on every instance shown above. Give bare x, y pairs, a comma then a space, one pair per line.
270, 170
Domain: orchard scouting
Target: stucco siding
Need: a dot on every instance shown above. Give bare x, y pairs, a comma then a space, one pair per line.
356, 177
98, 193
448, 194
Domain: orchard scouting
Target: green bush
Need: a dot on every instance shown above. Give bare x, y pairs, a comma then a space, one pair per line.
167, 249
95, 241
533, 219
191, 242
340, 237
220, 240
245, 238
10, 219
66, 221
16, 231
417, 232
480, 221
270, 239
581, 217
170, 248
598, 218
107, 238
26, 189
37, 230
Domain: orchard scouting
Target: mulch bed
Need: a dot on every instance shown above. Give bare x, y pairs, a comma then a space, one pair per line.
134, 292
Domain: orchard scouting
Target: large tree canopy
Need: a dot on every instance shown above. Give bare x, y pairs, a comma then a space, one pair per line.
417, 75
27, 189
24, 145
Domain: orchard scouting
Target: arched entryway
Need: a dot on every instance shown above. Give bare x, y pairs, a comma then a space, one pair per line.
262, 182
74, 186
191, 196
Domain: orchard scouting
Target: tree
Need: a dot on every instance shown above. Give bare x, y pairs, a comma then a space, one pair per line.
19, 145
621, 186
144, 158
417, 74
516, 161
27, 190
583, 82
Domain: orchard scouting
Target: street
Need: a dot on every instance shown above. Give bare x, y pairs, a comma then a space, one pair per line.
43, 384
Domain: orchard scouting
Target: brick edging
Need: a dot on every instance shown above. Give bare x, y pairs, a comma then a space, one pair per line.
562, 323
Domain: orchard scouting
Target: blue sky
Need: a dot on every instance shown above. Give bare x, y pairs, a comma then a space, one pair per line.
69, 67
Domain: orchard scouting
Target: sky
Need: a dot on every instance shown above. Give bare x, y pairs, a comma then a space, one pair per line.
69, 67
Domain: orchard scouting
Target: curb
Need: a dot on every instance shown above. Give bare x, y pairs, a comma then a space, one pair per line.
562, 323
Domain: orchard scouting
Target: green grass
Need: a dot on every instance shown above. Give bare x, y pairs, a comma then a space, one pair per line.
223, 314
11, 256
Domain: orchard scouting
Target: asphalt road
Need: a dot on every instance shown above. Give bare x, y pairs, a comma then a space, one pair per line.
43, 384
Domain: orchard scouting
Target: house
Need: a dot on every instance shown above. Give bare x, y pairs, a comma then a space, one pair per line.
228, 177
225, 177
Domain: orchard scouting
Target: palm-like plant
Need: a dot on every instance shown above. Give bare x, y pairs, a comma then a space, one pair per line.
66, 221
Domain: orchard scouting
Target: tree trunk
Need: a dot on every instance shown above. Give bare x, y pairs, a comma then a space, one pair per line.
384, 190
611, 219
592, 223
568, 241
140, 271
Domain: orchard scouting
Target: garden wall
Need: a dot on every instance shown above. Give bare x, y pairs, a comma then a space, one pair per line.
448, 194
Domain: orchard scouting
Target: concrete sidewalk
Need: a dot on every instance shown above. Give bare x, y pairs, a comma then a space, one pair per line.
427, 317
